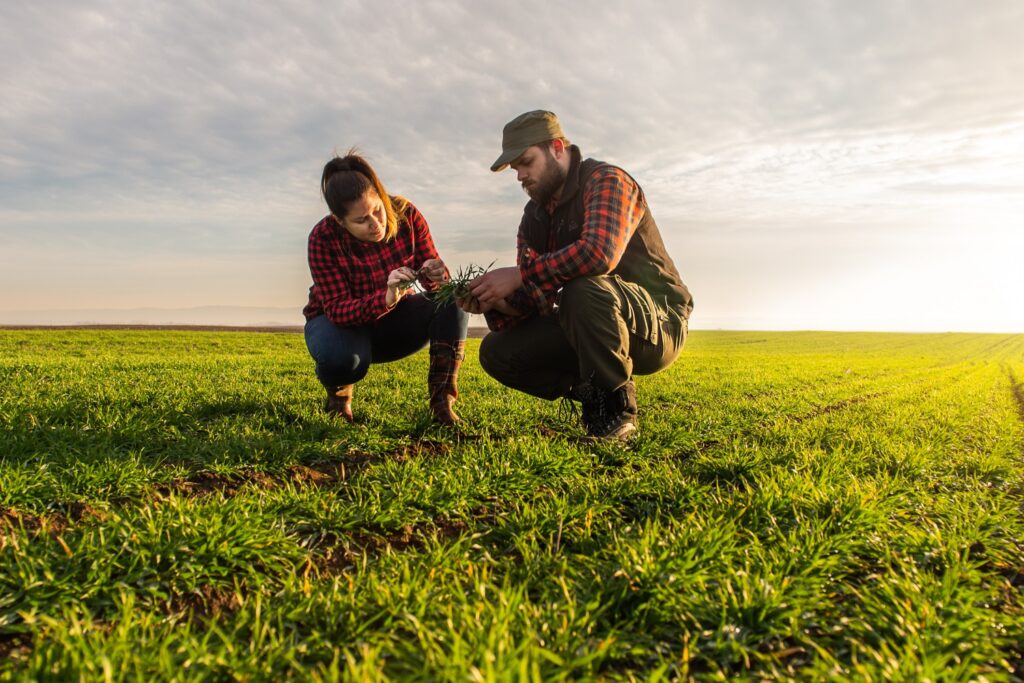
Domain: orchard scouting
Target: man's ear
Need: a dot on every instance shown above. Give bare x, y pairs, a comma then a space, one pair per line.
558, 147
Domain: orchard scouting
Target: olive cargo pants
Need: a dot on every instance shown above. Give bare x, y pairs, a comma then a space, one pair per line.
604, 330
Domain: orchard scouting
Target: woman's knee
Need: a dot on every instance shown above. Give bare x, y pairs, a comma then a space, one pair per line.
342, 355
454, 318
342, 366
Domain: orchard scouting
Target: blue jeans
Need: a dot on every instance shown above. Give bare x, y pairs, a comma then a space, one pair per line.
343, 355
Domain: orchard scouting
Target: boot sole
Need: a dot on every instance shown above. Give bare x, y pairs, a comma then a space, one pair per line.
624, 432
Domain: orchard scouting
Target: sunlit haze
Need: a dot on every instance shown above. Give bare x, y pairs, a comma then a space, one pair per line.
812, 165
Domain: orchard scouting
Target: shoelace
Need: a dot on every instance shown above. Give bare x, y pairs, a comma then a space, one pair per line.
569, 412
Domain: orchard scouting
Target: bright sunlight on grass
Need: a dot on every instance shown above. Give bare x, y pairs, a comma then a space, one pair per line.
815, 505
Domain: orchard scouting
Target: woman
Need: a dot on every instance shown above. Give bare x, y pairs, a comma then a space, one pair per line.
364, 256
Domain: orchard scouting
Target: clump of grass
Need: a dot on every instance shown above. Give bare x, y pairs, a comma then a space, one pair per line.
457, 286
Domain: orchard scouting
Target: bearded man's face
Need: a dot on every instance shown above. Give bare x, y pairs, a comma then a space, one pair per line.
539, 173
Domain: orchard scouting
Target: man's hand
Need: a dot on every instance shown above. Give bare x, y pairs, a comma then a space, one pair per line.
492, 287
471, 304
434, 269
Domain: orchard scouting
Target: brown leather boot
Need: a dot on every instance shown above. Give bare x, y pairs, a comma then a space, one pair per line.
339, 402
442, 380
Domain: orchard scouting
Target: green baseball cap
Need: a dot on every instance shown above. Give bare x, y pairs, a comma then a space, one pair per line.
524, 131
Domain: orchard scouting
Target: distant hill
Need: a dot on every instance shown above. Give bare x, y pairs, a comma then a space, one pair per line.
206, 316
238, 316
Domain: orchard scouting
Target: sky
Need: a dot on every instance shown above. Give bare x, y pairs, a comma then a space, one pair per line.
816, 164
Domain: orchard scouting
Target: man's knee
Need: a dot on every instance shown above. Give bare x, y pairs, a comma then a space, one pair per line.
583, 291
586, 301
495, 356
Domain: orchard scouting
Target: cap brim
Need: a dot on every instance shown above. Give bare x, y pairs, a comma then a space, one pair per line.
507, 157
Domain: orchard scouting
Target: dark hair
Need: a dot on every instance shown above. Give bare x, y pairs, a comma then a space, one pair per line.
346, 179
545, 147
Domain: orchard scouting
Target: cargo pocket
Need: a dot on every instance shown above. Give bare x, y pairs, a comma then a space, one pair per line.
641, 314
678, 327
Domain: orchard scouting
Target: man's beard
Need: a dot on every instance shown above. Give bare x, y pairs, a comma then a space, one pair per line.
544, 188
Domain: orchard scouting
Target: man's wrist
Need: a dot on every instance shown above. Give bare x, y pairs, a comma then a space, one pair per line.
505, 308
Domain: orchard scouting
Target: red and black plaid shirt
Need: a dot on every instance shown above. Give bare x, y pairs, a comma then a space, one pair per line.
350, 276
612, 208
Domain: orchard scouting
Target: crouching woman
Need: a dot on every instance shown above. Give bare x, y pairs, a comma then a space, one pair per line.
364, 256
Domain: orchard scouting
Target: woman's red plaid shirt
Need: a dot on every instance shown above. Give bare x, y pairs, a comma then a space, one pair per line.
350, 276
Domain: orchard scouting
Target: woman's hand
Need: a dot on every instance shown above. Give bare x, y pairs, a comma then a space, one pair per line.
399, 281
433, 268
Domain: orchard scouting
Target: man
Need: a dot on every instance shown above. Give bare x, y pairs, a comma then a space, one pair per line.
594, 298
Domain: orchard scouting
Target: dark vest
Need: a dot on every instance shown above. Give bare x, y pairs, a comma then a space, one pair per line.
645, 261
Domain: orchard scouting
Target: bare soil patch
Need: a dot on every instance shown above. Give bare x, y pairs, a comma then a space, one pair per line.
206, 602
15, 645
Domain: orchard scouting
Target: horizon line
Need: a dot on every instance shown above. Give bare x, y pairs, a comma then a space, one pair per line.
475, 330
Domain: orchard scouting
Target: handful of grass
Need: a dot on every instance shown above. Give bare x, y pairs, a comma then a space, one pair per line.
457, 285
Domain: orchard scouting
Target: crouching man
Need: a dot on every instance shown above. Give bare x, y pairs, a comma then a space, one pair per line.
594, 298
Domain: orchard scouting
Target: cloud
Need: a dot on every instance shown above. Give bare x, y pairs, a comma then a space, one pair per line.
197, 131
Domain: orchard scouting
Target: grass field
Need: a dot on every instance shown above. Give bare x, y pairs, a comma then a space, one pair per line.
173, 505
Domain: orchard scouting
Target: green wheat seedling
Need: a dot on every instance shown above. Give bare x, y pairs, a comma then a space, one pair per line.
457, 287
413, 284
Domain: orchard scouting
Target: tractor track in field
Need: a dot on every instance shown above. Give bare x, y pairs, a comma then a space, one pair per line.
830, 408
1018, 392
815, 412
766, 425
1017, 388
842, 404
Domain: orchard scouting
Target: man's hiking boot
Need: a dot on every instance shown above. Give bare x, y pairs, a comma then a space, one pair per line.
617, 414
442, 379
591, 400
606, 414
339, 402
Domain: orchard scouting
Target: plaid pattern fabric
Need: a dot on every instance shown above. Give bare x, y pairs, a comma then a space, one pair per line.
350, 276
445, 359
613, 206
443, 378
